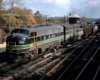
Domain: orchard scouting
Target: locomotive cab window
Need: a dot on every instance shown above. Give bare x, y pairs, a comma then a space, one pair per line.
21, 31
15, 31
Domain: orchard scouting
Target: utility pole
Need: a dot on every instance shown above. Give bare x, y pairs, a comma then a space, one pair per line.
67, 18
69, 14
64, 19
46, 20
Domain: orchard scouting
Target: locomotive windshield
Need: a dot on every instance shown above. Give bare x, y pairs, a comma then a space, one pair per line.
22, 31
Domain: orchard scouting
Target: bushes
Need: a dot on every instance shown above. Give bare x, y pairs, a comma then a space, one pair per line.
2, 35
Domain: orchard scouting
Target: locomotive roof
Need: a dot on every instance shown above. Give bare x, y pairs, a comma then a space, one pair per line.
45, 27
32, 29
43, 30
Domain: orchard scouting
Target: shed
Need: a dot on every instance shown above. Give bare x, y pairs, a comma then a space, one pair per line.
74, 19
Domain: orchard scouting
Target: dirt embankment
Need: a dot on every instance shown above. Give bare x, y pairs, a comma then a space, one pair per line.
2, 45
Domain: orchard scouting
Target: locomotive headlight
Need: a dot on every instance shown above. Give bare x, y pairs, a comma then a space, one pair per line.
24, 38
21, 42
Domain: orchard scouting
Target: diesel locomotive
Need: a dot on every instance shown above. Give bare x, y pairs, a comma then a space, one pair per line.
26, 43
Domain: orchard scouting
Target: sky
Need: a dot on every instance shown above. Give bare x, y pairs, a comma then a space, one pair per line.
55, 8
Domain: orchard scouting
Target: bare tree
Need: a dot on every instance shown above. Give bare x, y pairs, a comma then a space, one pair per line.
0, 4
11, 4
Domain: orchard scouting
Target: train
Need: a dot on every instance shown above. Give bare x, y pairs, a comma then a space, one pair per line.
25, 43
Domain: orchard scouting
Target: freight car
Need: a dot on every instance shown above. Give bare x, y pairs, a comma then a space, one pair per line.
89, 29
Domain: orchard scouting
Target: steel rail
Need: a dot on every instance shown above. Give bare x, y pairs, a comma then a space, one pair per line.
26, 69
73, 61
87, 63
2, 64
96, 72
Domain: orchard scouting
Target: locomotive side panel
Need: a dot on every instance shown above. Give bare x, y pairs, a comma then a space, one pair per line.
49, 37
68, 33
78, 28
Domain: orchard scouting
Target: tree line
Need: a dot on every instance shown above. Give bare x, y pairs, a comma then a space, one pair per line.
15, 16
65, 20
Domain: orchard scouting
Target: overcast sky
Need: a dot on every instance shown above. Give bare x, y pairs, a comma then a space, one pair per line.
86, 8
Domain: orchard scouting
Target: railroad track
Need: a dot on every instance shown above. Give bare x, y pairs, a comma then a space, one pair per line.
73, 64
3, 64
34, 68
91, 68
